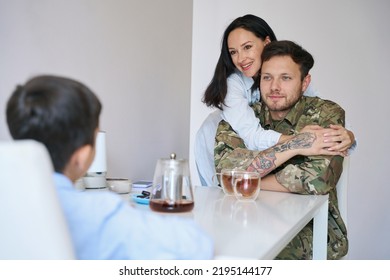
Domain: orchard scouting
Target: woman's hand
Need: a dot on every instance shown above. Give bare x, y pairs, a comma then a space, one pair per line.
338, 137
342, 135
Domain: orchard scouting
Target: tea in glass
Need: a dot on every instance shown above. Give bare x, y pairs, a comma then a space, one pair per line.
246, 185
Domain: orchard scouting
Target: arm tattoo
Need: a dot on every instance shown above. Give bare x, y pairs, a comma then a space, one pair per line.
264, 163
301, 141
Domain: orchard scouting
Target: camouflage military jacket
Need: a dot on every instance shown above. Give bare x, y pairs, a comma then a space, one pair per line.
301, 174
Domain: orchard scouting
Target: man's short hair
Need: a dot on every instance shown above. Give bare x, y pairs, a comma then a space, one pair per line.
288, 48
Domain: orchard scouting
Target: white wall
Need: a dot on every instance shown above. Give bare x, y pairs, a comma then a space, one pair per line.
350, 42
136, 56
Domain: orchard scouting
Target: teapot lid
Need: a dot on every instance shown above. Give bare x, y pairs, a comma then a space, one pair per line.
173, 161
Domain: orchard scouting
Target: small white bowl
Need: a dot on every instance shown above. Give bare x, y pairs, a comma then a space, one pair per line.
119, 185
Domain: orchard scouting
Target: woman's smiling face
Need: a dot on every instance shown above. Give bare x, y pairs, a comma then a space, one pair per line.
245, 50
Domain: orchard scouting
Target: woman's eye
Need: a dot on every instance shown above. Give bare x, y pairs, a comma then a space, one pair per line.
232, 53
247, 47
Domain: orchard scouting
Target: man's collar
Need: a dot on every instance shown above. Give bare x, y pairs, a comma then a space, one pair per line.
292, 116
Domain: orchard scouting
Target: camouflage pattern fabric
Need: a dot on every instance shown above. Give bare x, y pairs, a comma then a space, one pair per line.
304, 175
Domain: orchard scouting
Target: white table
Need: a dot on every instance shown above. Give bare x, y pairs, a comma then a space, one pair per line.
260, 229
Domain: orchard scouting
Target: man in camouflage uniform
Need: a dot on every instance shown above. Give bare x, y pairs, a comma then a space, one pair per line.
303, 164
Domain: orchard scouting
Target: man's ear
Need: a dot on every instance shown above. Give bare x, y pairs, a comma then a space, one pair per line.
80, 162
306, 81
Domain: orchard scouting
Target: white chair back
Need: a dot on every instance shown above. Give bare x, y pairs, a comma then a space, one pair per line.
32, 222
342, 194
342, 191
204, 148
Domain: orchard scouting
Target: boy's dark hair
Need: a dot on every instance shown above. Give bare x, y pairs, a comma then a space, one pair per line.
288, 48
61, 113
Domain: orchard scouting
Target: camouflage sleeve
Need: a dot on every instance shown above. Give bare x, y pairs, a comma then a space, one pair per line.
315, 174
229, 150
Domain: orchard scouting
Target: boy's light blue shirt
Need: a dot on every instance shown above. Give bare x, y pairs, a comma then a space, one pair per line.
104, 226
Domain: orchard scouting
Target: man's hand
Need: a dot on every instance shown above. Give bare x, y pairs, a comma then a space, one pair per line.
337, 137
312, 143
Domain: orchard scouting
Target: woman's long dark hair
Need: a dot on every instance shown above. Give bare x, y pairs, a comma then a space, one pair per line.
215, 93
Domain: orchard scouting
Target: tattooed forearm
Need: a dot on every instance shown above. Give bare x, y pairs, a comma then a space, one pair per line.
301, 141
264, 163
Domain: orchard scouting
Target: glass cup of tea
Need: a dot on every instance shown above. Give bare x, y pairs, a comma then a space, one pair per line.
226, 179
246, 185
